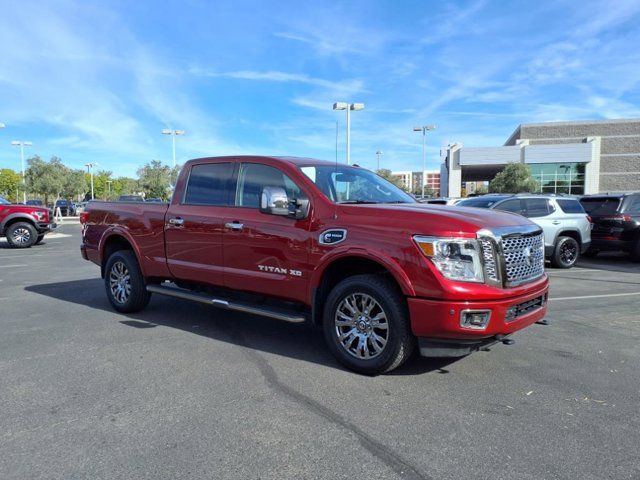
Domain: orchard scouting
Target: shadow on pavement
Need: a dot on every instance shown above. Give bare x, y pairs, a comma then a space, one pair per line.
297, 341
610, 261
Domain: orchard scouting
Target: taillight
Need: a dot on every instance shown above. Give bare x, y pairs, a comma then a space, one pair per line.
84, 217
622, 218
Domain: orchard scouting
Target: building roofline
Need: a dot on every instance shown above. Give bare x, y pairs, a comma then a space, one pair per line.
512, 138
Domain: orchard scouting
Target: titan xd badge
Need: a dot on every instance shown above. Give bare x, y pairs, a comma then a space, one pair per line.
331, 237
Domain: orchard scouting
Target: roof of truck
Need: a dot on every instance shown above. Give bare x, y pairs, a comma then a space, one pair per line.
293, 160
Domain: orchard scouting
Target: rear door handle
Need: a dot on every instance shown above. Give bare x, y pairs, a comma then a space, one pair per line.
556, 222
236, 226
177, 222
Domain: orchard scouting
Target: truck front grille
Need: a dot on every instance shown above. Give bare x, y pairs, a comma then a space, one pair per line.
523, 258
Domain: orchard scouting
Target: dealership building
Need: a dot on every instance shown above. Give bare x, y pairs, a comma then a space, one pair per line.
412, 181
564, 157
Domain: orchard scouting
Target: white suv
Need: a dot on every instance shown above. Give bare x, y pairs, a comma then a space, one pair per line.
567, 227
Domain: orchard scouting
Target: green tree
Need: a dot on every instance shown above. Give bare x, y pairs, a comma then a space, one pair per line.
387, 175
155, 179
45, 178
74, 184
10, 183
514, 178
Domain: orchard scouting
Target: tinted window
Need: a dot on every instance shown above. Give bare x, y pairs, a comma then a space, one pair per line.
254, 177
570, 206
536, 207
600, 205
514, 206
633, 206
479, 202
210, 184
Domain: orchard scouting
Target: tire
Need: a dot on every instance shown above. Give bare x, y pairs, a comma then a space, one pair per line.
565, 253
366, 348
40, 238
124, 283
21, 235
635, 252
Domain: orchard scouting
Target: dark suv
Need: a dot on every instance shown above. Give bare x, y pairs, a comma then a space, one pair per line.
616, 222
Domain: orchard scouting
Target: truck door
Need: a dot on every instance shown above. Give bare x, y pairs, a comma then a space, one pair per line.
194, 224
265, 254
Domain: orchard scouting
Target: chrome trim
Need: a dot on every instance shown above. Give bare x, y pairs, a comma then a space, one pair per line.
474, 310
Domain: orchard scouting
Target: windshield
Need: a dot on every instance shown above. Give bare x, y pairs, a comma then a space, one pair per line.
343, 184
479, 202
601, 205
4, 202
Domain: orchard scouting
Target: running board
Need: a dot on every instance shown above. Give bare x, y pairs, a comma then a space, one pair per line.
226, 304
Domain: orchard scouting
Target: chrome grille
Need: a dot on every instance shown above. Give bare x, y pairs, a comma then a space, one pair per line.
489, 259
523, 258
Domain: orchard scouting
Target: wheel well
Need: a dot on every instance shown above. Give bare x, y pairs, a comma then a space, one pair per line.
339, 270
113, 244
571, 233
16, 220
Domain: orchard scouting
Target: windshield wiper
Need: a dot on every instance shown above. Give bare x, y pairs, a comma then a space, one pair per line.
356, 202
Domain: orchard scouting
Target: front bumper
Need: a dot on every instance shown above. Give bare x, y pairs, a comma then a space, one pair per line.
438, 321
46, 227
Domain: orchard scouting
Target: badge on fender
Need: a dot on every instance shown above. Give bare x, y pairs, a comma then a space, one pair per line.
333, 236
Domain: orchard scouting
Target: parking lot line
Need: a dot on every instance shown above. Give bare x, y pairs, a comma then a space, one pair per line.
9, 266
596, 296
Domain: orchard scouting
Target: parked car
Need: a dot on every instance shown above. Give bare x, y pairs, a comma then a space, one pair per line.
337, 245
130, 198
616, 222
566, 226
66, 207
37, 203
24, 225
443, 200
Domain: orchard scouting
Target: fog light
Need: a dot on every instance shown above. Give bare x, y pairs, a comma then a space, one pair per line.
512, 313
477, 319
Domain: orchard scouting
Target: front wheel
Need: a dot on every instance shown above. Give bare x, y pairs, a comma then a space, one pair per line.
125, 285
366, 325
566, 253
21, 235
40, 238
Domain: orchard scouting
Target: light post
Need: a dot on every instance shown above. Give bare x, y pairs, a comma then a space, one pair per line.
378, 153
90, 170
424, 129
348, 107
173, 133
109, 182
22, 144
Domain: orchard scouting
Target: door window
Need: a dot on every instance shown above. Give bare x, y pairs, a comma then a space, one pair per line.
511, 206
254, 177
536, 207
210, 184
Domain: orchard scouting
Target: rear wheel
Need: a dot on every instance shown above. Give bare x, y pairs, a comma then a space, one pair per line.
566, 253
591, 253
125, 285
366, 325
21, 235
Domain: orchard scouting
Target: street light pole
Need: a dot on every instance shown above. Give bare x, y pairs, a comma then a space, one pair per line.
109, 182
90, 170
173, 133
424, 129
22, 144
378, 153
348, 107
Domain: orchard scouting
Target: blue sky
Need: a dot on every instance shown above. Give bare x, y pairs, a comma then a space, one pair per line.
98, 81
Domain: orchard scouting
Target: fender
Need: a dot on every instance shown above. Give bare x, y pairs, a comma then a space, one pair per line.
387, 262
570, 229
22, 215
119, 231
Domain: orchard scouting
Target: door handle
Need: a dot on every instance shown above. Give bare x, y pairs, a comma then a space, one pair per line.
234, 226
556, 222
177, 222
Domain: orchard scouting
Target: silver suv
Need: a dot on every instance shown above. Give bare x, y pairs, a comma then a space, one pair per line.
567, 227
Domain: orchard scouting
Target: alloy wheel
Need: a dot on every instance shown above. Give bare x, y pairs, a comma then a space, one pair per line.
21, 235
361, 326
120, 282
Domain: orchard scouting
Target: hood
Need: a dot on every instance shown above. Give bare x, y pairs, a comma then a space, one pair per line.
433, 219
19, 207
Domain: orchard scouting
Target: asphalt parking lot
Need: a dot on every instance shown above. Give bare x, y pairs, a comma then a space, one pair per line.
182, 390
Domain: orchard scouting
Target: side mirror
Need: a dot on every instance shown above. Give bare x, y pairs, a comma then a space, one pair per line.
274, 201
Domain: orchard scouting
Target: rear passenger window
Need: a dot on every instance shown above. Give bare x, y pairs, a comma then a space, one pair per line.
570, 206
536, 207
510, 206
254, 177
634, 207
210, 184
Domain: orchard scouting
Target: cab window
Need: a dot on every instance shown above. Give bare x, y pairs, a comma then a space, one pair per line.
210, 184
254, 177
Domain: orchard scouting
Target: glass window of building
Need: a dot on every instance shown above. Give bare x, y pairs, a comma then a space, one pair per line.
559, 177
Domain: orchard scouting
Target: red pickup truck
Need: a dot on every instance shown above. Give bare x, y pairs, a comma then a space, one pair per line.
24, 225
306, 240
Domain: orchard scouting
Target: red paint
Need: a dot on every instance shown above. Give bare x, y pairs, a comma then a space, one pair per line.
205, 251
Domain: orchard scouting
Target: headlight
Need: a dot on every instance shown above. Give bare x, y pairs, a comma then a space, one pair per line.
41, 216
455, 258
